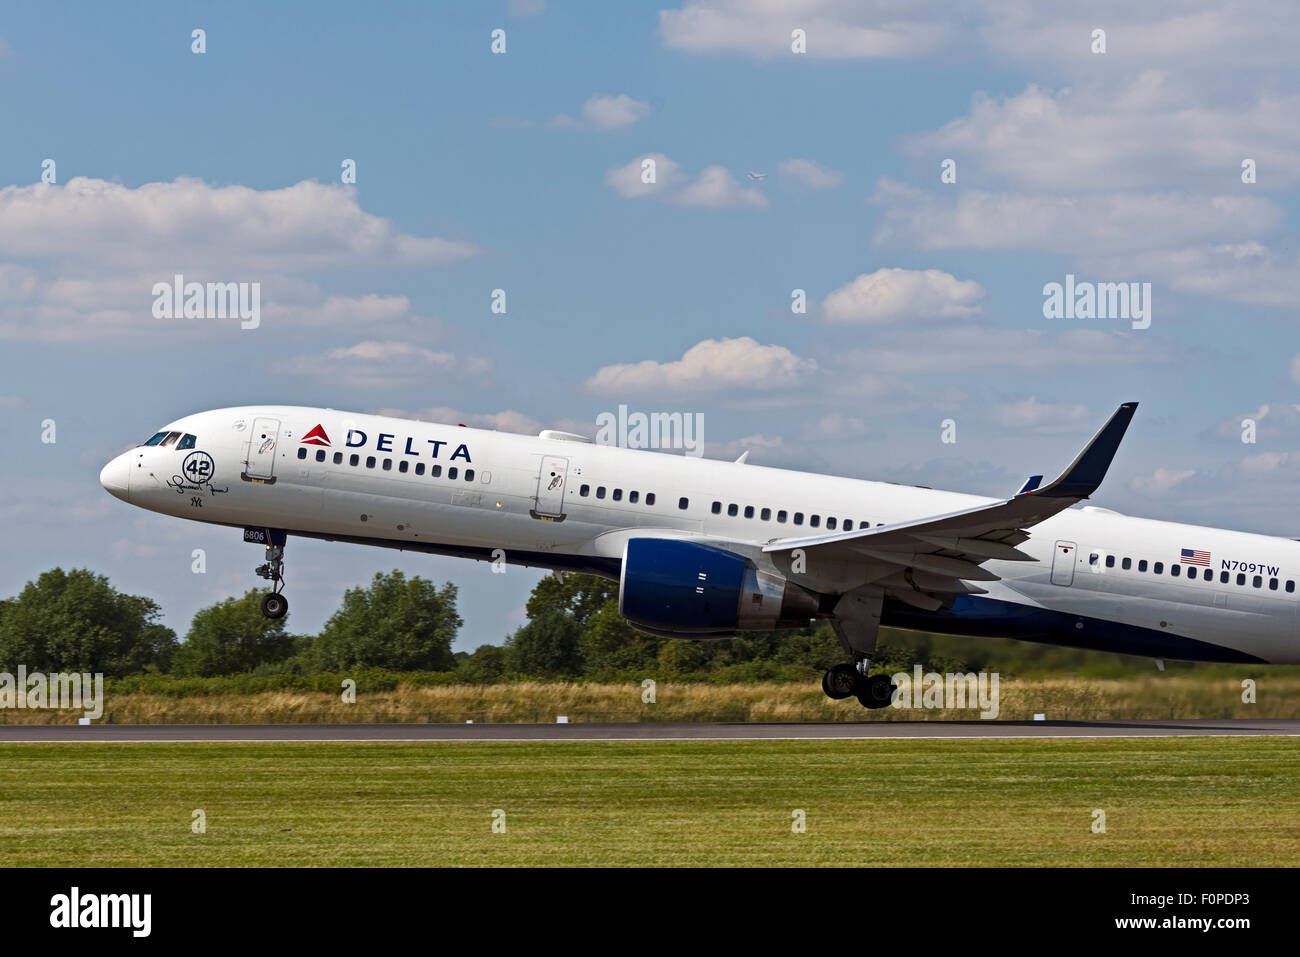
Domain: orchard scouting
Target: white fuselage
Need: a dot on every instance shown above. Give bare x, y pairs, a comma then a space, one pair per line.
560, 502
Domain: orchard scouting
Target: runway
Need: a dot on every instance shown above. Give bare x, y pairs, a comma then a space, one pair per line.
642, 731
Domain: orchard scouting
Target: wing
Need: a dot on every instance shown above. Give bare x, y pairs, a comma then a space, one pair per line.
943, 553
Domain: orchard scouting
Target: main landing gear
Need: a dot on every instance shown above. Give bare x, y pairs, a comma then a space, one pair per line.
849, 681
856, 620
274, 604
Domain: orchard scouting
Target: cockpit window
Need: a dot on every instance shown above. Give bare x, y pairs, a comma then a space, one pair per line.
187, 441
157, 437
170, 440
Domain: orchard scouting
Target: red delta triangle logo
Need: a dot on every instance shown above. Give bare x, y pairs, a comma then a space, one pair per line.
316, 436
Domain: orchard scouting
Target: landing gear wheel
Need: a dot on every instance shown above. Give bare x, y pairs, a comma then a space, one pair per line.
274, 605
875, 691
840, 682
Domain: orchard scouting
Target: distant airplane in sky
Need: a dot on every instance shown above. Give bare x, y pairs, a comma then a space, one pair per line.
703, 548
758, 176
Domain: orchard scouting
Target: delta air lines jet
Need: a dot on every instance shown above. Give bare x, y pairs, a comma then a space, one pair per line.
703, 548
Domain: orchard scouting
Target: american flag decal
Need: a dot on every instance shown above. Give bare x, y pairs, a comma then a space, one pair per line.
1194, 556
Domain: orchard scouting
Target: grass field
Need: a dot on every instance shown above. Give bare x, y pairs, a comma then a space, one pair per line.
1183, 801
1201, 694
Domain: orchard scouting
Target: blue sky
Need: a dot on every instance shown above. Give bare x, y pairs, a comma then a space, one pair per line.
478, 171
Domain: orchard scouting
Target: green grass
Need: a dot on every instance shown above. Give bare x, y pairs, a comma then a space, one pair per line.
1181, 801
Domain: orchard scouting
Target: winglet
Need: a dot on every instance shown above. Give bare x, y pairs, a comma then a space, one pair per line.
1089, 467
1031, 483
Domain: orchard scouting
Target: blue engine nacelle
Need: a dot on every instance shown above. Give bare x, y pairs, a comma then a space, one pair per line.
672, 587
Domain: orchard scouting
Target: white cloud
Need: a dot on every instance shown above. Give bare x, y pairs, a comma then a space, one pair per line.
1160, 481
1150, 133
525, 8
713, 187
189, 224
1030, 415
614, 112
507, 420
714, 365
17, 283
378, 365
100, 247
835, 29
893, 293
1094, 223
809, 174
969, 348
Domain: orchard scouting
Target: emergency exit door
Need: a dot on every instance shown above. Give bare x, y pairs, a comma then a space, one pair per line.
1063, 563
551, 480
261, 449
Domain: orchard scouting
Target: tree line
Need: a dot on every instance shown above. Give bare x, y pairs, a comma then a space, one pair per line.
75, 620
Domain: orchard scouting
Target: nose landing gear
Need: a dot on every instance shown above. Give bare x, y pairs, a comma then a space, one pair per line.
274, 604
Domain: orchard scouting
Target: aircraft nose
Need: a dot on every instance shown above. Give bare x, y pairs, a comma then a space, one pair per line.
115, 475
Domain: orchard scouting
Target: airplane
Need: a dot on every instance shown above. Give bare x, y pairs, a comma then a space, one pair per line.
758, 176
704, 548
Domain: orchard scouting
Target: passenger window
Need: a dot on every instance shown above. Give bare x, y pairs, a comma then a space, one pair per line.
469, 475
338, 458
1257, 581
765, 515
682, 503
618, 495
1290, 586
633, 497
798, 518
1174, 570
419, 468
749, 511
815, 521
649, 498
370, 461
830, 524
302, 453
1110, 561
1094, 558
1158, 568
1208, 574
600, 491
1241, 579
320, 455
1272, 584
1126, 564
354, 459
733, 509
388, 465
403, 465
435, 471
584, 491
1223, 578
1142, 565
452, 472
717, 508
781, 516
187, 442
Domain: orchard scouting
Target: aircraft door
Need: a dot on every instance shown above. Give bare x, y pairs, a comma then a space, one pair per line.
261, 450
1063, 563
550, 487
